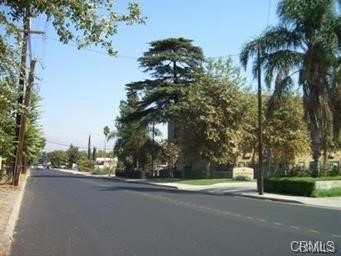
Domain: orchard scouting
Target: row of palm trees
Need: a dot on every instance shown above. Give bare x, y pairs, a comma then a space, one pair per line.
306, 45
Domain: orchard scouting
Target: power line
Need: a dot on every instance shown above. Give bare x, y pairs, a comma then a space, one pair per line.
94, 50
62, 144
125, 56
68, 145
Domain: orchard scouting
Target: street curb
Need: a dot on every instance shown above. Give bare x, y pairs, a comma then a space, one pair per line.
86, 174
272, 199
115, 178
291, 201
144, 182
135, 181
233, 194
12, 220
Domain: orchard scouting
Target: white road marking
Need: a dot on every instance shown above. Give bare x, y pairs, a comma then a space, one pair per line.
200, 207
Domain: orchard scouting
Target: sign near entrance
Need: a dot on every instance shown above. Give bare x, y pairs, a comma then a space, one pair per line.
243, 171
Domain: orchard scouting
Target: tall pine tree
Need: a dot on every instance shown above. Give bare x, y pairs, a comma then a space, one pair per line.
172, 63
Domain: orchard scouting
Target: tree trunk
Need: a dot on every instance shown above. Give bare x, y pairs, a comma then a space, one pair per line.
316, 148
105, 147
325, 166
208, 169
253, 158
312, 106
23, 166
137, 166
171, 131
236, 159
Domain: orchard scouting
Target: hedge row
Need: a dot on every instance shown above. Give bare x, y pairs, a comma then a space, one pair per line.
299, 187
167, 174
131, 175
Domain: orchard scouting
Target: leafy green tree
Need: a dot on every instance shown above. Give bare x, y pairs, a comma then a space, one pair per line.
131, 136
34, 143
249, 140
83, 21
94, 152
8, 96
58, 158
34, 140
285, 132
73, 155
213, 115
43, 158
89, 147
172, 63
171, 153
82, 155
306, 41
86, 165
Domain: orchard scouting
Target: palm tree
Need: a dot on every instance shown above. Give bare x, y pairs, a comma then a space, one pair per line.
306, 42
106, 131
112, 135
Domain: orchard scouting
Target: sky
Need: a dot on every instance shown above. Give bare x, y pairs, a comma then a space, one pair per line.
81, 89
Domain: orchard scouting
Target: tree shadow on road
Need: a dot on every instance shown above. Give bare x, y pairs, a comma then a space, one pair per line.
148, 188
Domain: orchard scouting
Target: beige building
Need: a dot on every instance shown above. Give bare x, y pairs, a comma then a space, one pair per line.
106, 162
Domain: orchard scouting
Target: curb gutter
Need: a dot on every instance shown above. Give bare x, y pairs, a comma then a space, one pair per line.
272, 199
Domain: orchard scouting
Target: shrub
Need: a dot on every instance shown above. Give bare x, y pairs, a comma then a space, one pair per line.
298, 172
86, 165
194, 174
334, 171
166, 174
299, 187
222, 174
99, 171
242, 178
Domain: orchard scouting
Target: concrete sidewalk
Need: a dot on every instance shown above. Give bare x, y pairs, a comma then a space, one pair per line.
10, 202
83, 173
249, 189
245, 189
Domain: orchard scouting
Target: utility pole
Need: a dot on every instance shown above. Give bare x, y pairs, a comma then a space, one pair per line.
20, 130
260, 178
19, 163
22, 76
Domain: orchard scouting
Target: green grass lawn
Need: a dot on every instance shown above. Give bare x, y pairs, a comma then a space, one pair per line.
327, 192
195, 181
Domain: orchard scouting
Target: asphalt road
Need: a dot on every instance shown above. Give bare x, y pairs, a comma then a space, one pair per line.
65, 214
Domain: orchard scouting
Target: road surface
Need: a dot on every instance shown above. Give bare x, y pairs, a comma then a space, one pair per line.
66, 214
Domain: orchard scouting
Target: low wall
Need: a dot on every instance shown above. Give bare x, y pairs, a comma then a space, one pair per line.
327, 184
